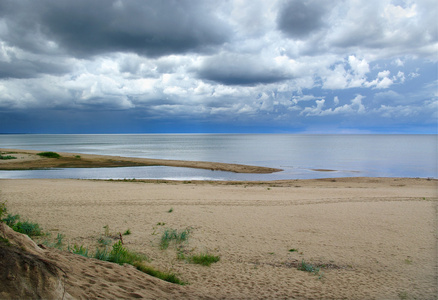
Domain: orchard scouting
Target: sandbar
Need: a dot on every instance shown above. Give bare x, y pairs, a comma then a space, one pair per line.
29, 160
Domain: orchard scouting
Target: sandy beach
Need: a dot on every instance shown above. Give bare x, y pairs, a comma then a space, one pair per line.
371, 238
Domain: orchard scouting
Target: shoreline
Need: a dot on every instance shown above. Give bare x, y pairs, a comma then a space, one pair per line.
29, 160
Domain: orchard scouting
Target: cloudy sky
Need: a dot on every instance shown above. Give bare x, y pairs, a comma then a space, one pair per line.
134, 66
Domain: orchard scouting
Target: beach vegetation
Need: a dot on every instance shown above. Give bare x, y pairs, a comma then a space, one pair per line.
29, 228
25, 227
170, 210
59, 240
7, 157
170, 235
80, 250
11, 219
3, 210
106, 227
167, 276
307, 267
78, 156
104, 241
127, 232
293, 250
49, 154
204, 259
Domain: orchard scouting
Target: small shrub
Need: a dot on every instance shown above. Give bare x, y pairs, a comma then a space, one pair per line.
49, 154
293, 250
204, 259
127, 232
170, 210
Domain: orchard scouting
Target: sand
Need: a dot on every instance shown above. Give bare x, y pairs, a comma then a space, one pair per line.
372, 238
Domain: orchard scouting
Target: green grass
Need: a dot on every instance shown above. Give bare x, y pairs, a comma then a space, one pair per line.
120, 255
204, 259
306, 267
3, 210
49, 154
7, 157
11, 219
80, 250
167, 276
170, 210
170, 235
293, 250
29, 228
127, 232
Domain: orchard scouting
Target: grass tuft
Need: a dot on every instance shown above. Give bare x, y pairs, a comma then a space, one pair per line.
80, 250
170, 235
29, 228
127, 232
204, 259
167, 276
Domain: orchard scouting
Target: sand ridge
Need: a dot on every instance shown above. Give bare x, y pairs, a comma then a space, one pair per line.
372, 238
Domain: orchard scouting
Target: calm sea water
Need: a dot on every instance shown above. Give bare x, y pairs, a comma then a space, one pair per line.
299, 155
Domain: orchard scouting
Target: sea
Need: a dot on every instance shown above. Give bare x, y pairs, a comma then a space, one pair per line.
300, 156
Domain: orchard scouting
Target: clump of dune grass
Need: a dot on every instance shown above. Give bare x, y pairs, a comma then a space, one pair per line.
170, 235
167, 276
4, 157
204, 259
49, 154
79, 249
25, 227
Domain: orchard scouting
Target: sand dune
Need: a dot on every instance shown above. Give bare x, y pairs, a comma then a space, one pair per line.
372, 238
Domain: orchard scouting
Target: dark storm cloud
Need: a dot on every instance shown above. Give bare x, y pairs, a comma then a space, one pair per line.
298, 18
234, 69
85, 28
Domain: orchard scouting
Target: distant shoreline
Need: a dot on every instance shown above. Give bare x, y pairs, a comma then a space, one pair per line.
30, 160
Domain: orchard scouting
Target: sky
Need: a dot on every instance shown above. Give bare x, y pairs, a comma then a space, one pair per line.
232, 66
